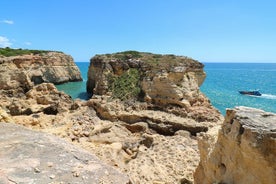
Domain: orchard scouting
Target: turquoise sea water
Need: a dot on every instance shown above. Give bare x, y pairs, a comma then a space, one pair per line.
221, 86
224, 80
77, 89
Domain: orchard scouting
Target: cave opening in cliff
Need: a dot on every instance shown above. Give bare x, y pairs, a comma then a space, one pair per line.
37, 80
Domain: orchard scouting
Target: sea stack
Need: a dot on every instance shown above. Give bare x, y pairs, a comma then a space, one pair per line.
168, 83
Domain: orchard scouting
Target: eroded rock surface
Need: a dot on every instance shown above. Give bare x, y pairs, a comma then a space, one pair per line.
161, 121
41, 98
133, 148
243, 152
34, 157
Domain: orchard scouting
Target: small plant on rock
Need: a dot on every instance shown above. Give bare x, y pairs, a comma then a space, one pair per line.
125, 86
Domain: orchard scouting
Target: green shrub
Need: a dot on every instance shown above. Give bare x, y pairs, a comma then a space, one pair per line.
131, 54
17, 52
125, 86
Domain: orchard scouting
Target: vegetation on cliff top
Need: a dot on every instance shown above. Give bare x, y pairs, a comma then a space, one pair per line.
155, 61
18, 52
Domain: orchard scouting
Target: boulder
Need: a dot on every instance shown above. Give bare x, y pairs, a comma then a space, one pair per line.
241, 151
33, 157
4, 116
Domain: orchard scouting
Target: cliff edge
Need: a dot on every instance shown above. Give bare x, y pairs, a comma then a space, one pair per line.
242, 152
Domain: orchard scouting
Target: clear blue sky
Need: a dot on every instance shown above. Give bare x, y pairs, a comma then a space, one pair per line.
206, 30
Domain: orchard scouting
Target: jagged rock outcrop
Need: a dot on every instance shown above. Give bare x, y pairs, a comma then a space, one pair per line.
27, 70
34, 157
242, 152
41, 98
162, 122
166, 84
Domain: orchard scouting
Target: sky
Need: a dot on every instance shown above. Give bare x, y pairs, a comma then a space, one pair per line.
206, 30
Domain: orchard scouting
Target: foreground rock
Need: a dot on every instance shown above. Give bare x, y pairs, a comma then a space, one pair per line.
27, 70
32, 157
161, 90
243, 152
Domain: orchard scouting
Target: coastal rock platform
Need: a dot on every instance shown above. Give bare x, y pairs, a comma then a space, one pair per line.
34, 157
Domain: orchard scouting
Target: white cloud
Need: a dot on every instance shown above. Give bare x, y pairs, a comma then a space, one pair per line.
7, 21
28, 43
4, 42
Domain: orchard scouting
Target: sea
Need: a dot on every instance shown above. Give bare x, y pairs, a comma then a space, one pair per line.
77, 89
221, 86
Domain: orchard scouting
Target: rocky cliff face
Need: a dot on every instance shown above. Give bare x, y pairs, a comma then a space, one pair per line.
164, 84
243, 152
26, 70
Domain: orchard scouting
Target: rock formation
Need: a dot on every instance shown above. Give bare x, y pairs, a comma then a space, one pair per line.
41, 98
135, 149
162, 90
243, 152
26, 70
34, 157
143, 118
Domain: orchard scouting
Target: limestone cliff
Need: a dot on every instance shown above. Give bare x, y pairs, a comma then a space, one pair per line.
25, 70
243, 152
163, 90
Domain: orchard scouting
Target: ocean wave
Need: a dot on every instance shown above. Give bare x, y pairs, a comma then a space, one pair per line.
268, 96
